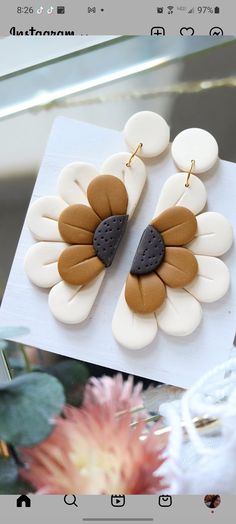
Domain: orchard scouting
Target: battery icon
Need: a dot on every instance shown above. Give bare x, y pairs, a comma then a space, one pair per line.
217, 10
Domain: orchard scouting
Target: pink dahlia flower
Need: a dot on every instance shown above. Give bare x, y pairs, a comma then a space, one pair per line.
92, 451
120, 395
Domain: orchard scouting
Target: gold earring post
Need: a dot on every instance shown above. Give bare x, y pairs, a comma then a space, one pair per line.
134, 154
190, 173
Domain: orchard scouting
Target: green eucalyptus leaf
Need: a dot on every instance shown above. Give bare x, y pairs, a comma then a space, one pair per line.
28, 405
70, 372
10, 482
73, 375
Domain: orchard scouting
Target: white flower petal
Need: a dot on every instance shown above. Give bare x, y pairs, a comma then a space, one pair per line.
42, 218
174, 193
41, 263
73, 182
180, 314
212, 281
131, 330
72, 304
214, 235
133, 177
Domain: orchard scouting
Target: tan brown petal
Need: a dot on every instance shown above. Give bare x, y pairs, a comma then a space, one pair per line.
179, 267
144, 294
107, 195
79, 265
177, 225
77, 224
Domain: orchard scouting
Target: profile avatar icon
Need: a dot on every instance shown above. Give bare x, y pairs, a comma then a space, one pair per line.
212, 501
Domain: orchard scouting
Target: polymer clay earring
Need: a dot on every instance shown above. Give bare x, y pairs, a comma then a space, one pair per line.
176, 266
79, 231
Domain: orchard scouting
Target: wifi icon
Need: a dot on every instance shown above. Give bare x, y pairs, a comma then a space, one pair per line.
170, 9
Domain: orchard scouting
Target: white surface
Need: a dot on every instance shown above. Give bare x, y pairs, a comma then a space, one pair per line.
149, 129
195, 144
178, 361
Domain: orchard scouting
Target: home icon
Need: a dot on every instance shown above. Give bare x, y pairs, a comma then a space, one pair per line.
23, 501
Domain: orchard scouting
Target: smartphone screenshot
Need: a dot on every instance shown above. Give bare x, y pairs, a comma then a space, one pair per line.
117, 261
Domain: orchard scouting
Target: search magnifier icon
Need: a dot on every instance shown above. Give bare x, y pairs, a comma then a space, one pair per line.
70, 500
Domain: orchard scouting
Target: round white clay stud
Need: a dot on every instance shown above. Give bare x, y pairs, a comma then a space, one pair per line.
212, 281
195, 144
42, 218
41, 263
73, 182
72, 304
180, 314
151, 130
175, 193
214, 235
131, 330
133, 177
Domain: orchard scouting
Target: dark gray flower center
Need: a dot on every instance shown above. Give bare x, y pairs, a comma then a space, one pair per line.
150, 252
107, 237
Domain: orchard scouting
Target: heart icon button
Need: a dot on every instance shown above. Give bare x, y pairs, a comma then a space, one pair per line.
187, 31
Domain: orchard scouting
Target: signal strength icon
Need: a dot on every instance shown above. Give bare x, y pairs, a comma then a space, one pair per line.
191, 11
170, 9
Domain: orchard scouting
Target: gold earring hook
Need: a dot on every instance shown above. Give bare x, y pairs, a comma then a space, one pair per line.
134, 154
190, 173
